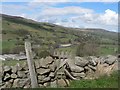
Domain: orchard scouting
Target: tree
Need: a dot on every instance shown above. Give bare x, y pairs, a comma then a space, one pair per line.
88, 47
80, 50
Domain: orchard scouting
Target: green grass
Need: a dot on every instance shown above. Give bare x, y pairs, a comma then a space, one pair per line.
108, 49
102, 82
13, 62
8, 44
104, 49
69, 49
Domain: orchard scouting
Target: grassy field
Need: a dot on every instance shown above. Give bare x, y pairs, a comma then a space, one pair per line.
108, 49
8, 44
13, 62
69, 49
103, 50
15, 30
102, 82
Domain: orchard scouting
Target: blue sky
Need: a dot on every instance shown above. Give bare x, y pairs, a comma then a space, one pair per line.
99, 7
70, 14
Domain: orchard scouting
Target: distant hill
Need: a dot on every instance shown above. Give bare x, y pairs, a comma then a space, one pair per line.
15, 29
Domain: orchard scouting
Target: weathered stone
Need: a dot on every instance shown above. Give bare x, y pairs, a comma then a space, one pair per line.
49, 60
11, 80
24, 82
14, 69
53, 84
13, 76
40, 62
7, 77
24, 66
26, 72
52, 74
46, 79
82, 74
19, 82
110, 59
19, 67
93, 61
16, 83
42, 71
0, 82
70, 62
116, 66
37, 64
41, 77
7, 68
21, 74
61, 83
52, 67
46, 84
76, 69
41, 85
1, 70
90, 73
105, 65
45, 62
81, 62
45, 66
27, 86
67, 82
1, 75
8, 84
102, 59
3, 86
86, 68
92, 67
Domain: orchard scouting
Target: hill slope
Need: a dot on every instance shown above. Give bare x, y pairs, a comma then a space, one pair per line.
47, 35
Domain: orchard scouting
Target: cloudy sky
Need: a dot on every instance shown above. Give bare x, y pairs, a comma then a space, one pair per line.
87, 14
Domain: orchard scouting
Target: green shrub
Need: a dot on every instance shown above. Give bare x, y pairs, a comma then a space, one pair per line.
87, 49
22, 32
41, 53
17, 49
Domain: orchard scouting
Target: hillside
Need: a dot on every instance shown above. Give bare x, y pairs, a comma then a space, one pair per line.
46, 36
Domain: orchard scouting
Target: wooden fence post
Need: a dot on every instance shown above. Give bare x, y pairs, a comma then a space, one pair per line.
31, 67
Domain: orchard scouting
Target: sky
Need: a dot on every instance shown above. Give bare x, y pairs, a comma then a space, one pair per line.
78, 14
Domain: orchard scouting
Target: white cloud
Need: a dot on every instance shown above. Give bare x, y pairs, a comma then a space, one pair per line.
89, 19
109, 18
65, 11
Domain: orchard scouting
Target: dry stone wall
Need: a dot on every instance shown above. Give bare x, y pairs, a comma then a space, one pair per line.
57, 72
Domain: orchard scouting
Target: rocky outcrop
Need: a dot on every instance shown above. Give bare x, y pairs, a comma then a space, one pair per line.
48, 70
